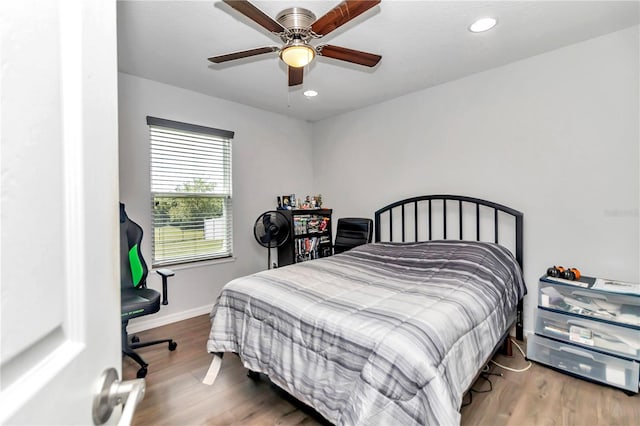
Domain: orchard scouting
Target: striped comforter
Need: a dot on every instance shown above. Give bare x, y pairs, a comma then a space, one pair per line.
386, 334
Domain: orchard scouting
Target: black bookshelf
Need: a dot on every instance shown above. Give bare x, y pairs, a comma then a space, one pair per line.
310, 236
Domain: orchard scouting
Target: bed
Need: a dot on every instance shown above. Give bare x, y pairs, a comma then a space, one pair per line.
392, 332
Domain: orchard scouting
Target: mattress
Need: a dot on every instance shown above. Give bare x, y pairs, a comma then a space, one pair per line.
386, 333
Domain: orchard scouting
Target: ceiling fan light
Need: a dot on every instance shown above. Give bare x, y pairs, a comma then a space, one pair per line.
297, 55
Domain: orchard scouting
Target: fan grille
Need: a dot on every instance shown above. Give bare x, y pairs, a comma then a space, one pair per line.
271, 229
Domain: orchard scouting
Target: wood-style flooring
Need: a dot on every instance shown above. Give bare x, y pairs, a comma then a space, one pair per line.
176, 395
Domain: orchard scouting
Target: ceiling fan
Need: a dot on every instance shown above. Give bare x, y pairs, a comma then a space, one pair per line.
296, 27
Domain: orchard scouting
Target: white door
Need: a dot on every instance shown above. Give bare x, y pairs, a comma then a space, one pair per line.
59, 281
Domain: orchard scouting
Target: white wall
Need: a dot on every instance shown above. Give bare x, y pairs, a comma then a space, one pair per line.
555, 136
271, 156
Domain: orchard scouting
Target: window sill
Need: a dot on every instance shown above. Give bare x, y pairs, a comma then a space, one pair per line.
201, 264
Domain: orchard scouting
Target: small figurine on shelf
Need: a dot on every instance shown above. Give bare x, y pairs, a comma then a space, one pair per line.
286, 202
319, 201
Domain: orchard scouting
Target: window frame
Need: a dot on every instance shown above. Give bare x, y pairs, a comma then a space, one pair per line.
185, 132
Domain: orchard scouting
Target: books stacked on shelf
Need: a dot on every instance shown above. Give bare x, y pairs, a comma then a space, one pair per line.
307, 248
300, 225
602, 284
309, 224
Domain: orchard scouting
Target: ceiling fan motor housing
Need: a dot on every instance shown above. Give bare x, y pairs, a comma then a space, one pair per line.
297, 20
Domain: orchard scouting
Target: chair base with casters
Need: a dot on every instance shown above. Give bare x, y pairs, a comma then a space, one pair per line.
136, 300
128, 349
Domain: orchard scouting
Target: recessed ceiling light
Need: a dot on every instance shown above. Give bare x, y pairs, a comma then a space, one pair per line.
310, 93
483, 24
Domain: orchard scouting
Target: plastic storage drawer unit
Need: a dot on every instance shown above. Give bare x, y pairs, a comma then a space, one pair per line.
619, 308
599, 335
582, 362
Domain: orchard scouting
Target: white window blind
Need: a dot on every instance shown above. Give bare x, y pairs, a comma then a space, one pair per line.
190, 192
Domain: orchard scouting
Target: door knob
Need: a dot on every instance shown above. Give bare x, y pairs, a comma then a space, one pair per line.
112, 392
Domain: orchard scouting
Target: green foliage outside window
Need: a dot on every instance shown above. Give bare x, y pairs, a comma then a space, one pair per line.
185, 211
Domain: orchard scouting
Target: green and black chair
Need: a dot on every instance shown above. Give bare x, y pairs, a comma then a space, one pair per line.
136, 299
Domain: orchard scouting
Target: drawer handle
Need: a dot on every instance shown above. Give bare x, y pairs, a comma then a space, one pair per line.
581, 324
591, 295
576, 352
606, 333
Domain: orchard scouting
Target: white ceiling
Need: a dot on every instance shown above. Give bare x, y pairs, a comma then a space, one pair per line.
422, 43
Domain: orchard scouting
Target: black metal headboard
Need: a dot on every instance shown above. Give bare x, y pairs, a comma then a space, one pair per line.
416, 223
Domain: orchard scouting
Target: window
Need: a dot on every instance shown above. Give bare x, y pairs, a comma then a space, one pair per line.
190, 192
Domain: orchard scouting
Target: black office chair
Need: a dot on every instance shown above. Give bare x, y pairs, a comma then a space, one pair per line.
136, 299
352, 232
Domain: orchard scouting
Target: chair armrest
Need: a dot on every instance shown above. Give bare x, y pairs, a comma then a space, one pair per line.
165, 273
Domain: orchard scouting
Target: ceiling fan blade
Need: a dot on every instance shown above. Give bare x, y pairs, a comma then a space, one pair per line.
255, 14
349, 55
243, 54
295, 76
341, 14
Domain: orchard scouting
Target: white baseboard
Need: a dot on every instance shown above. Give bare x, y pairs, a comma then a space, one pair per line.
154, 321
